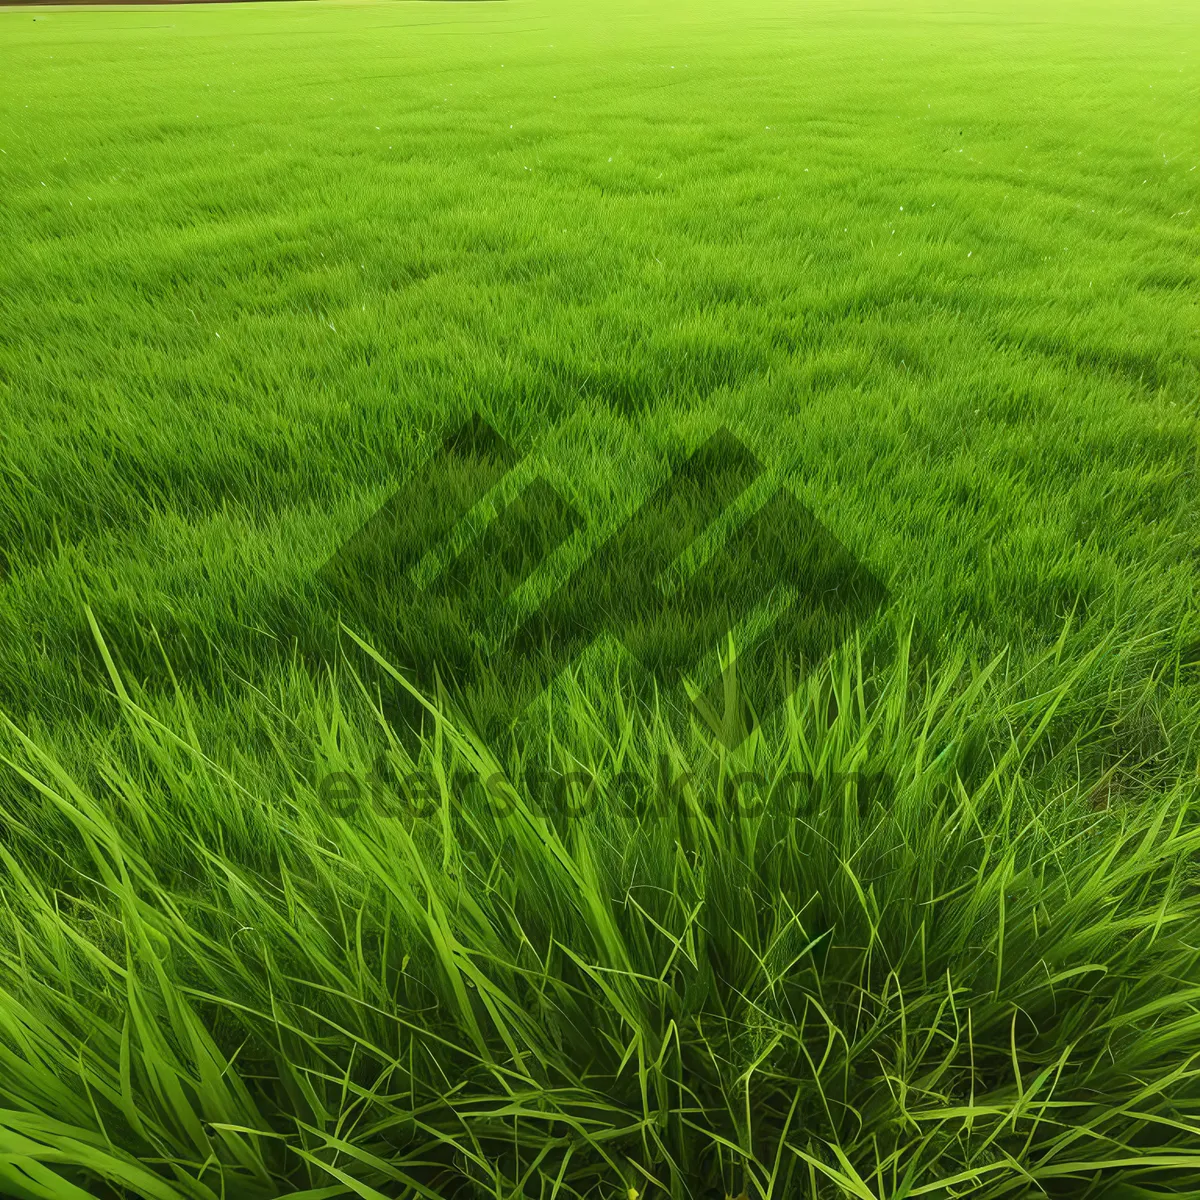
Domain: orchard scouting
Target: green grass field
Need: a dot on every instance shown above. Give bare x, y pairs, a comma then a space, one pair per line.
934, 265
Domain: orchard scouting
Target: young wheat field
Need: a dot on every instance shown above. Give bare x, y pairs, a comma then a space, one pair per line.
486, 852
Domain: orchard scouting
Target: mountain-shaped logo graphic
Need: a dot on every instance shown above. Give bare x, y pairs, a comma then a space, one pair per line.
456, 625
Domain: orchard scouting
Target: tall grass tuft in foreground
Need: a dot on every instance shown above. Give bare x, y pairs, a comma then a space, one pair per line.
980, 981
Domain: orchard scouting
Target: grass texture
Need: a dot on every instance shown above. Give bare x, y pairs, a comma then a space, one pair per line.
933, 266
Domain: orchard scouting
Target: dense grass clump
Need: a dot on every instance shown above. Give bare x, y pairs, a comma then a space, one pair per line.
978, 980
